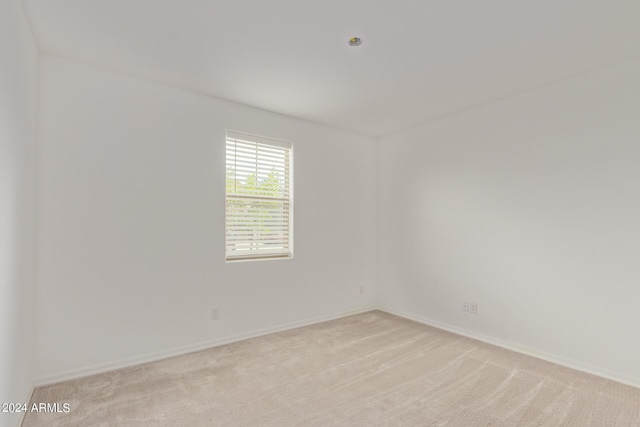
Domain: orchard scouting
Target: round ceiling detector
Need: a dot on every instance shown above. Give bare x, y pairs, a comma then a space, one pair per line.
355, 41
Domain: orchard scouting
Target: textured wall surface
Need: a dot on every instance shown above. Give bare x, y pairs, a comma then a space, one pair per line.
528, 207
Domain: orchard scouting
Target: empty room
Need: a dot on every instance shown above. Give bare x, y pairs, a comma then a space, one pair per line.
319, 213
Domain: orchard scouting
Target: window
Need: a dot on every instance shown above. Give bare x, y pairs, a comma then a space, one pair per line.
259, 208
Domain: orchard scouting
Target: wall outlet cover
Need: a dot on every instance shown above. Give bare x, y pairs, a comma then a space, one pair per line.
473, 308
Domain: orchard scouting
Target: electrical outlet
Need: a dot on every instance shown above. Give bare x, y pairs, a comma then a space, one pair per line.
465, 306
361, 289
473, 308
215, 313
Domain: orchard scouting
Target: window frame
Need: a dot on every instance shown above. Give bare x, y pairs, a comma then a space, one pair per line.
242, 140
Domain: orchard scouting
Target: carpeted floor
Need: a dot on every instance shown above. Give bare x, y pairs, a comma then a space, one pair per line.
372, 369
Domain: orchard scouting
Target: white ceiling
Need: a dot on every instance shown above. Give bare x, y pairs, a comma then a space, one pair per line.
420, 59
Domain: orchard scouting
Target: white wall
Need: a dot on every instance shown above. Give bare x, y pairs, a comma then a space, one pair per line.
132, 223
527, 206
530, 207
18, 70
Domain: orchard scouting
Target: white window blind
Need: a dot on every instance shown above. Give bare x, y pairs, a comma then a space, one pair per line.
259, 208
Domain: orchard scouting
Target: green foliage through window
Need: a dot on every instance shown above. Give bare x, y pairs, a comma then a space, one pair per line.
258, 205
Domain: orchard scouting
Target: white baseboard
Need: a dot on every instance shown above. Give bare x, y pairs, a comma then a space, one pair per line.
27, 400
151, 357
177, 351
558, 360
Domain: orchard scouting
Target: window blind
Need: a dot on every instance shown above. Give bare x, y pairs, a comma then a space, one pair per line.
258, 198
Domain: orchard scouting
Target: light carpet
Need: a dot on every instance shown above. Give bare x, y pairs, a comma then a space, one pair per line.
371, 369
